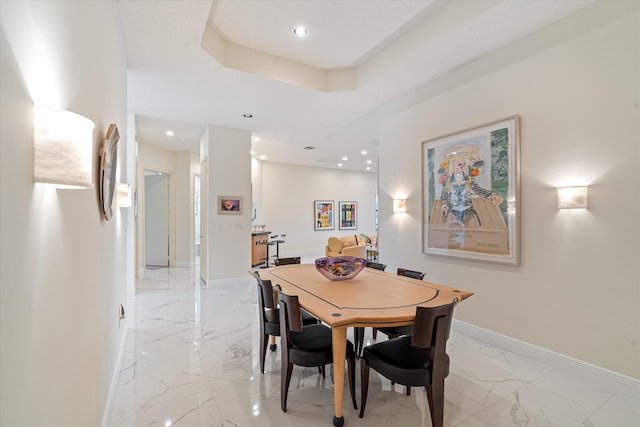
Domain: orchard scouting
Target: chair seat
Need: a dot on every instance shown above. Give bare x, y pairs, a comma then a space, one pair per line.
396, 331
398, 359
312, 346
272, 317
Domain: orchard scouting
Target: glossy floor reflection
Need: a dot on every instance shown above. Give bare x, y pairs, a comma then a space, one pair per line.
191, 359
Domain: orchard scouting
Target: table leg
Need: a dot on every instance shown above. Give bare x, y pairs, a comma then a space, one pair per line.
339, 343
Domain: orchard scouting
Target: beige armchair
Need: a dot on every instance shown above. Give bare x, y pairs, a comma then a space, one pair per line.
339, 247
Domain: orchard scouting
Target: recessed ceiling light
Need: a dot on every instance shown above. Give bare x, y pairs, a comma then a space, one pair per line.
256, 139
363, 152
369, 161
368, 168
263, 157
340, 164
345, 158
169, 133
247, 115
300, 31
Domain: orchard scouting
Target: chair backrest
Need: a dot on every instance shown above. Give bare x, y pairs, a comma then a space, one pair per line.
411, 273
287, 261
290, 316
265, 292
376, 265
433, 326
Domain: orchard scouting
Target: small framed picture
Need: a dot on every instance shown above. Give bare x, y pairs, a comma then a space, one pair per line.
348, 216
323, 215
229, 205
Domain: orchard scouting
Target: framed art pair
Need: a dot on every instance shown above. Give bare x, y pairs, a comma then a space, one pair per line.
324, 213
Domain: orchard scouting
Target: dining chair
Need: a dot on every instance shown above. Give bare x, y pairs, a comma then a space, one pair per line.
396, 331
376, 265
270, 317
411, 273
287, 261
309, 345
416, 360
358, 333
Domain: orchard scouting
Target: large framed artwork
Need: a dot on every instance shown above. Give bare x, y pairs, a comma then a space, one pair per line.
470, 185
348, 215
323, 215
229, 205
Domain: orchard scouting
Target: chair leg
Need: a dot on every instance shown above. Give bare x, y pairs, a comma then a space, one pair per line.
358, 337
375, 333
435, 395
273, 345
364, 385
351, 372
408, 390
263, 350
284, 386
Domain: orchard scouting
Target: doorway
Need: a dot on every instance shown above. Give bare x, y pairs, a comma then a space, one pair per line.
196, 220
156, 222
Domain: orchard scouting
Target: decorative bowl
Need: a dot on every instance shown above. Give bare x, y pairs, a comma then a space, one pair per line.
340, 268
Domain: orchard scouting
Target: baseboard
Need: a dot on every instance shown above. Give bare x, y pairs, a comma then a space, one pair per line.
624, 383
114, 380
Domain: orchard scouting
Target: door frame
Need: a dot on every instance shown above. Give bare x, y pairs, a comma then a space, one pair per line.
140, 223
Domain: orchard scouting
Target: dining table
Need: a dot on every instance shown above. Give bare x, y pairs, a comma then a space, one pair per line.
373, 298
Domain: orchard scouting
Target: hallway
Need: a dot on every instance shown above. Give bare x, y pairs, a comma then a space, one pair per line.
191, 359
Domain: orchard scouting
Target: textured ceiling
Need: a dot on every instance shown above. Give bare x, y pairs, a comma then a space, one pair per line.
193, 63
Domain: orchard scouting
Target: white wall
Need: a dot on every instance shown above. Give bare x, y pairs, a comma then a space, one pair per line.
288, 199
229, 174
187, 167
62, 267
577, 290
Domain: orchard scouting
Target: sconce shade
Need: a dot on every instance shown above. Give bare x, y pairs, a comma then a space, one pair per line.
123, 195
572, 197
399, 205
62, 148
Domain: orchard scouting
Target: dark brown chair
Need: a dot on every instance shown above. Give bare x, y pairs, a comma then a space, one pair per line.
376, 265
396, 331
270, 317
358, 333
306, 346
416, 360
411, 273
287, 261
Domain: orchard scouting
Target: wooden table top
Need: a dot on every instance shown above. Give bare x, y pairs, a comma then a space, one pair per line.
372, 298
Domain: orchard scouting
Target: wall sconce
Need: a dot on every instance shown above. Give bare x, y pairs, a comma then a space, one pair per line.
399, 205
123, 195
572, 197
62, 148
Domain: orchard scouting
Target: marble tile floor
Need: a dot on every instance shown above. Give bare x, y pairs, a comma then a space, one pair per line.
191, 359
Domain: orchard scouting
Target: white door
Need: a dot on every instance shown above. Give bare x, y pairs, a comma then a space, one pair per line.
156, 221
204, 212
